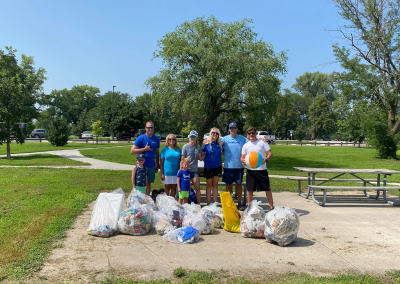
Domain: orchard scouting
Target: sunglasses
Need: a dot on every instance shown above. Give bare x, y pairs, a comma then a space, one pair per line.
233, 128
150, 127
171, 139
251, 133
141, 160
215, 133
193, 137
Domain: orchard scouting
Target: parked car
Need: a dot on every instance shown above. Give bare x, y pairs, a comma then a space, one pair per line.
39, 133
158, 135
87, 135
140, 132
327, 139
269, 138
105, 134
178, 136
163, 137
126, 136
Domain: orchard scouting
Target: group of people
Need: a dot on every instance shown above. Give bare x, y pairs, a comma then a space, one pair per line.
179, 168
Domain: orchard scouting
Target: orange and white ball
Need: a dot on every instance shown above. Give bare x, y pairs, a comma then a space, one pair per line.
254, 159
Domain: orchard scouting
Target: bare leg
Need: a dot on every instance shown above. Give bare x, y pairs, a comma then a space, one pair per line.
148, 188
167, 188
250, 196
268, 194
239, 193
229, 188
173, 189
196, 183
185, 200
208, 189
215, 188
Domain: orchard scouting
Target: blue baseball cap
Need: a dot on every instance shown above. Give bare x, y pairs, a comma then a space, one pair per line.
140, 156
193, 133
232, 124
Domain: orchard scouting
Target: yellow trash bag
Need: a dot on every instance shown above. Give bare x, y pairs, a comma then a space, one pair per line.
231, 214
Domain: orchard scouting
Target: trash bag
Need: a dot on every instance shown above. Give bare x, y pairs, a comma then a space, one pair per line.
231, 214
215, 213
175, 215
184, 235
198, 221
282, 225
136, 220
161, 223
163, 201
104, 220
192, 207
156, 192
252, 222
136, 195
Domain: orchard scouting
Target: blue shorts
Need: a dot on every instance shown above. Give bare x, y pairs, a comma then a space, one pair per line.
151, 174
233, 176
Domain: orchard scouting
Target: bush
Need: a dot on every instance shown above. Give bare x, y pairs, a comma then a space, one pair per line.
58, 132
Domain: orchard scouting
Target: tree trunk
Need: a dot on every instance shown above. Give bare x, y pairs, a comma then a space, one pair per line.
203, 128
8, 147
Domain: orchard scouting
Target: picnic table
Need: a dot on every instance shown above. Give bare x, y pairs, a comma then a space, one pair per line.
312, 186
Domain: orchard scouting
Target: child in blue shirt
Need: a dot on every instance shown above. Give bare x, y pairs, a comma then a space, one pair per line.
183, 180
139, 177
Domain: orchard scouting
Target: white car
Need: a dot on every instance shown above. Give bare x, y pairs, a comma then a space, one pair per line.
264, 134
87, 135
206, 136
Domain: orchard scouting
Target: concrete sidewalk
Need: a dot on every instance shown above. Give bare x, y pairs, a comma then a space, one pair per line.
351, 234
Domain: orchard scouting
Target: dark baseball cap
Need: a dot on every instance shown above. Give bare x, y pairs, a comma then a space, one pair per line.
140, 156
232, 124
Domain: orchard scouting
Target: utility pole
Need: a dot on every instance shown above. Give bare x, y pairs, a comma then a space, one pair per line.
112, 117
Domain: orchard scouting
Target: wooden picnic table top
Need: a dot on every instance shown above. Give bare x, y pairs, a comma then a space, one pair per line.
348, 171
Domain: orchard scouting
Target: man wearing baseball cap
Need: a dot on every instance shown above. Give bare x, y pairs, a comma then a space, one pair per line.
233, 167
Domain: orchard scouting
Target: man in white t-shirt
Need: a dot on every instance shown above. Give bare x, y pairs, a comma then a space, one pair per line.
257, 179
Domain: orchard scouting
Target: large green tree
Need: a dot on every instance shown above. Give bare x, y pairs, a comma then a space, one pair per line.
213, 67
20, 86
311, 85
324, 122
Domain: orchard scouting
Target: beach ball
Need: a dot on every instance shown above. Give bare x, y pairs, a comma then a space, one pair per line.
254, 160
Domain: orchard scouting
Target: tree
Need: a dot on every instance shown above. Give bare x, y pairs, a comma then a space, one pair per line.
300, 132
58, 132
83, 124
97, 129
213, 68
20, 85
324, 122
311, 85
373, 69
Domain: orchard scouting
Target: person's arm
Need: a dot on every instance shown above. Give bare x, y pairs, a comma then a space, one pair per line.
157, 159
178, 181
162, 169
243, 158
269, 156
133, 176
136, 150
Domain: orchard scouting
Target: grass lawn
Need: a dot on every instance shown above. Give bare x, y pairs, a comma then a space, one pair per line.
37, 205
30, 147
40, 160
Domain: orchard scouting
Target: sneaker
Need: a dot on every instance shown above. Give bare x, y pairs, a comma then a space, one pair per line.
242, 207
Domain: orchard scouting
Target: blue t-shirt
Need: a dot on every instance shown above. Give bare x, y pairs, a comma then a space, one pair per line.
171, 159
154, 144
140, 176
185, 180
213, 157
233, 151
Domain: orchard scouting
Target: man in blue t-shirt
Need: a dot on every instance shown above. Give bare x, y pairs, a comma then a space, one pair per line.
233, 167
149, 145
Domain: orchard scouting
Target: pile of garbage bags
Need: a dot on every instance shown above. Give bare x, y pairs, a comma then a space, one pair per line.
104, 220
252, 221
282, 225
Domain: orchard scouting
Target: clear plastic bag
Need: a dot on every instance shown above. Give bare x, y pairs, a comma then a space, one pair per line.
136, 220
192, 207
163, 201
104, 220
184, 235
282, 225
175, 215
198, 221
136, 195
161, 223
215, 213
252, 221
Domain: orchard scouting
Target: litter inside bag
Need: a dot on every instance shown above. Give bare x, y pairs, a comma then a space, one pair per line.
163, 201
215, 213
136, 195
104, 220
161, 223
198, 221
192, 207
184, 235
252, 222
282, 225
136, 220
175, 215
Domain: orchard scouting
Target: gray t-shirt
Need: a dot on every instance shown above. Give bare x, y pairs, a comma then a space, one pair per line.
189, 151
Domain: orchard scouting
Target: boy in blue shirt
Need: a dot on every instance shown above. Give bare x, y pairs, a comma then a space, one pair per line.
183, 180
139, 177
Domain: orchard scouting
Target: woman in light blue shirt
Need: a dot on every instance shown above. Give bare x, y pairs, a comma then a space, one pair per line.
170, 164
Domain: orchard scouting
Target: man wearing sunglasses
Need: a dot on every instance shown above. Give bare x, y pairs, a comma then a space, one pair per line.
149, 145
257, 179
233, 167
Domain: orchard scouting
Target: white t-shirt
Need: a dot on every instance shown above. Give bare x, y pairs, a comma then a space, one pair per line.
258, 146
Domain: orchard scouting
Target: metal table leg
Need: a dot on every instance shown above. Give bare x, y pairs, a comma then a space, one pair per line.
308, 183
378, 183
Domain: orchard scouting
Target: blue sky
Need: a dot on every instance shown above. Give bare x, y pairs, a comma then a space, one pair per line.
111, 43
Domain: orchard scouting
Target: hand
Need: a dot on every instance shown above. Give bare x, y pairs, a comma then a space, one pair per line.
179, 190
147, 148
156, 169
264, 161
162, 177
263, 139
205, 141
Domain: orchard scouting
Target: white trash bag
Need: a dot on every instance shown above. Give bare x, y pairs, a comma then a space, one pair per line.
282, 225
161, 223
104, 220
252, 221
198, 221
142, 198
163, 201
192, 207
136, 220
215, 213
184, 235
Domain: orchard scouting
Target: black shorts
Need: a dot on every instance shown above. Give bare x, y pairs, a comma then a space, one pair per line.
215, 172
257, 180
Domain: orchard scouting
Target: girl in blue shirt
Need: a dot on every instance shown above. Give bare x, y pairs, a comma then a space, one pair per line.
211, 152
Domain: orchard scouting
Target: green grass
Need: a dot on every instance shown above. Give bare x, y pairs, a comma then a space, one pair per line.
37, 206
30, 147
182, 275
40, 160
